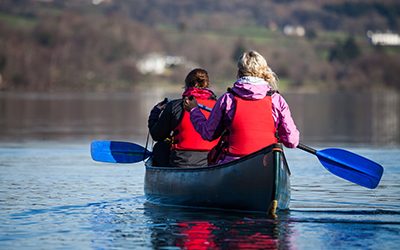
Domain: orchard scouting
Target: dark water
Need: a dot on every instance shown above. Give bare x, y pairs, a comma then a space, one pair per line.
53, 196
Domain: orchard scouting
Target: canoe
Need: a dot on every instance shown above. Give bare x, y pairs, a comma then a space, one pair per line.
258, 182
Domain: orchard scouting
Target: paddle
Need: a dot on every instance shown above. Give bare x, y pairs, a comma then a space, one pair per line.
122, 152
348, 165
118, 152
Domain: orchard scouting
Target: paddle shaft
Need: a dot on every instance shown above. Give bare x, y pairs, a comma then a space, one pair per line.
204, 107
300, 146
307, 149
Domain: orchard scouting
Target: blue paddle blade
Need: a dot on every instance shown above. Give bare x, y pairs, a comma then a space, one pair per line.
351, 167
118, 152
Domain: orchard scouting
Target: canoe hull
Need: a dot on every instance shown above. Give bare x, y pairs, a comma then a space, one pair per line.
251, 183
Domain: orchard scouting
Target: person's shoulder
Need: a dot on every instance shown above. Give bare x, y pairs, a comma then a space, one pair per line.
278, 101
172, 106
226, 100
275, 94
174, 102
176, 106
272, 92
229, 94
210, 93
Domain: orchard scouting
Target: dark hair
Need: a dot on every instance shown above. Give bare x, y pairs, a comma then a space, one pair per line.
197, 78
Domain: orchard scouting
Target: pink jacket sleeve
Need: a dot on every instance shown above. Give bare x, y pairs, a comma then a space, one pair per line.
287, 130
221, 114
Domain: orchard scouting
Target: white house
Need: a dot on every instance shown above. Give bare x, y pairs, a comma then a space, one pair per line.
291, 30
157, 64
384, 39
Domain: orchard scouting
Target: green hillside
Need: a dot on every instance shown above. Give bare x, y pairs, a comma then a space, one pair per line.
77, 45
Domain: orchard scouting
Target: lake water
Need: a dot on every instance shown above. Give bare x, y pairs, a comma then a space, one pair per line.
53, 196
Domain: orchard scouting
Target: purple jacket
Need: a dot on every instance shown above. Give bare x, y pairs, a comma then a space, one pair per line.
251, 88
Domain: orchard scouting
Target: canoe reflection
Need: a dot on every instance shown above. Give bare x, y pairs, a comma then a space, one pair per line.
205, 235
205, 229
196, 235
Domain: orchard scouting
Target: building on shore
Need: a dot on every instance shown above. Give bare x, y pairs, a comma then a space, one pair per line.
384, 38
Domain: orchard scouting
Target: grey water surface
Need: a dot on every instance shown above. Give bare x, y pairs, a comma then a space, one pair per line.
53, 196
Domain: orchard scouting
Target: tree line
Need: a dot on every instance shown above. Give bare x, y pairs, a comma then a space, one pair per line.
76, 45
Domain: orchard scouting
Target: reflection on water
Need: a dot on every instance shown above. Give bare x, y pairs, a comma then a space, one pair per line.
197, 229
324, 117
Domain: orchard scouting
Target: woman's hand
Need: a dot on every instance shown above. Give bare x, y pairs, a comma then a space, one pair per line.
189, 103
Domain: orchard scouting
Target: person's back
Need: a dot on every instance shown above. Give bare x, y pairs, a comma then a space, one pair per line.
251, 113
252, 126
185, 136
187, 148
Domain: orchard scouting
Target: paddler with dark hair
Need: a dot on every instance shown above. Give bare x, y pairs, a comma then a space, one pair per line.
169, 124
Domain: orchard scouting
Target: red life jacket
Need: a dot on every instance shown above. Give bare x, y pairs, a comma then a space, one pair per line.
253, 126
185, 136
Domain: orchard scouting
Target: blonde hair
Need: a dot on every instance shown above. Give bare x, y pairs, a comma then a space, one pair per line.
197, 78
252, 63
